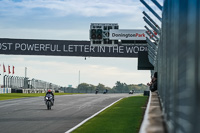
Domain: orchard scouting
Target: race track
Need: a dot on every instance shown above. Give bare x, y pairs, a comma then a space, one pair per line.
29, 115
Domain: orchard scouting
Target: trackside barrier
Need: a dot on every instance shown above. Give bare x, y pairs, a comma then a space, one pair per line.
33, 90
178, 64
5, 90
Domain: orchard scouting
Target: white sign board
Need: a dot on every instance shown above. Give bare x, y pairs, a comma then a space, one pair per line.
124, 34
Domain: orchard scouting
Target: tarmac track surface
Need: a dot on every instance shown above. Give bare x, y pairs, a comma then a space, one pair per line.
30, 115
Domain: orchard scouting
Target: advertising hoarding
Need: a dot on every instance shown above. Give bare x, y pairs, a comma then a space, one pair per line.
66, 48
127, 34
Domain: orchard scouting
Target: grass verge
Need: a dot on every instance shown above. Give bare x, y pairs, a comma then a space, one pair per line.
123, 117
23, 95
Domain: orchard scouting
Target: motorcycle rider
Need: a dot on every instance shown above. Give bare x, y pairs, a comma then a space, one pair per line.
105, 91
97, 90
51, 93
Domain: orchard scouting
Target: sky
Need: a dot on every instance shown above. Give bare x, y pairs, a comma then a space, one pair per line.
70, 20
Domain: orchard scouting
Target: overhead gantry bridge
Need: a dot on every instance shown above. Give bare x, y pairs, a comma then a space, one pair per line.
100, 45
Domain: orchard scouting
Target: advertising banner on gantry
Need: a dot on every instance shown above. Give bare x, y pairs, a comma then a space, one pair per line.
67, 48
127, 34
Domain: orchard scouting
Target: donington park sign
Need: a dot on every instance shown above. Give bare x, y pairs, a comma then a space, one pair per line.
66, 48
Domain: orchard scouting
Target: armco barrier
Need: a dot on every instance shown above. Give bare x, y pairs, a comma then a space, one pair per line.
33, 90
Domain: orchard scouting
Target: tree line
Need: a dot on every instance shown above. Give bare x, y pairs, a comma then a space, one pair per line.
118, 88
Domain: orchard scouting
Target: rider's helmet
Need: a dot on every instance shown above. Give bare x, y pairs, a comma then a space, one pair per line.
49, 90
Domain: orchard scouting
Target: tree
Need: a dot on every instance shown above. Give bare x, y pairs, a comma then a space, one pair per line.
83, 87
138, 87
121, 87
100, 87
92, 88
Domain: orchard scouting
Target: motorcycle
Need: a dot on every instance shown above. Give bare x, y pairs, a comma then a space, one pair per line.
49, 101
96, 91
105, 91
131, 92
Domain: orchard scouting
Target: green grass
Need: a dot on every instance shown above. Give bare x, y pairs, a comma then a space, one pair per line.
123, 117
23, 95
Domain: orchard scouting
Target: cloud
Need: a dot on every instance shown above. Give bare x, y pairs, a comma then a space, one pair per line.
75, 14
88, 8
34, 33
65, 71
